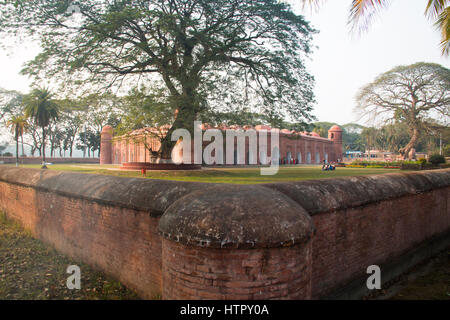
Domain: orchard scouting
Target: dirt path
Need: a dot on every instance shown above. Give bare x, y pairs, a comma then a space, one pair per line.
31, 270
427, 281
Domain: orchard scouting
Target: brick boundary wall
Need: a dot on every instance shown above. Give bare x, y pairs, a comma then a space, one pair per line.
38, 160
183, 240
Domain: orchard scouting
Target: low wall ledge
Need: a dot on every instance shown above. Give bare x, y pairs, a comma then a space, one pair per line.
152, 196
325, 195
231, 216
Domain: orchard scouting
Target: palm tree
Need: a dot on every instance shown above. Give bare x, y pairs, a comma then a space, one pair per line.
18, 125
40, 106
362, 13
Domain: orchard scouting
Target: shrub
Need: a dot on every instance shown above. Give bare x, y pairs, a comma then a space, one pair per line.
422, 161
436, 159
411, 166
385, 164
7, 154
447, 151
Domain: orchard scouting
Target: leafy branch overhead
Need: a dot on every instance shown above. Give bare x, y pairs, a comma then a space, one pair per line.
203, 54
363, 12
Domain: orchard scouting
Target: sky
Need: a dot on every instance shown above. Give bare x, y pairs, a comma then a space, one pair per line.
344, 62
341, 63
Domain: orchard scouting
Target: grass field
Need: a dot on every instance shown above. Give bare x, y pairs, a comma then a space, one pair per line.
223, 175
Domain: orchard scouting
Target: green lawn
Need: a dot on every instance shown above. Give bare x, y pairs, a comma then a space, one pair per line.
224, 175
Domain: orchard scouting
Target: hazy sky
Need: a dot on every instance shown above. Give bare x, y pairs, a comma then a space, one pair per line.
341, 64
344, 62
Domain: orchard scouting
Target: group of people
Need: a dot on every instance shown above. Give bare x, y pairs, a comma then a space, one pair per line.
327, 166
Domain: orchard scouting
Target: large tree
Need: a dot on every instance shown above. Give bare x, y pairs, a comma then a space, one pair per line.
18, 125
43, 110
408, 94
10, 103
202, 54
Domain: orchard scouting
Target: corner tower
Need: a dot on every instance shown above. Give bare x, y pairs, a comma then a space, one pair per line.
106, 145
335, 135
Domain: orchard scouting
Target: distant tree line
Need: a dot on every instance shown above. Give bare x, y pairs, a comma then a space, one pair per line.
390, 137
43, 122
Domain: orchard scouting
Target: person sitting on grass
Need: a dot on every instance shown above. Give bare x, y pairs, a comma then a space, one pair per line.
327, 167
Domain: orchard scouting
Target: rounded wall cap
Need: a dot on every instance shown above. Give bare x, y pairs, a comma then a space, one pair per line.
233, 216
107, 129
335, 128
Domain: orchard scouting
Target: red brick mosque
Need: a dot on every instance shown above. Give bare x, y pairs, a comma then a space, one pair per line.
294, 147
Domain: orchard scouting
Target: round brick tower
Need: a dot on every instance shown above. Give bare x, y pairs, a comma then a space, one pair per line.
335, 135
106, 145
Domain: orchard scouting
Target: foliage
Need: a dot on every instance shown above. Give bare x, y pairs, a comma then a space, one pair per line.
351, 137
322, 128
447, 151
42, 109
200, 55
33, 270
143, 108
241, 117
410, 95
436, 159
18, 125
10, 102
366, 163
91, 112
40, 106
89, 140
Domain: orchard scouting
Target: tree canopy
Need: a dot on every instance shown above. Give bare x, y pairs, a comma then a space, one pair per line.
43, 110
198, 55
413, 95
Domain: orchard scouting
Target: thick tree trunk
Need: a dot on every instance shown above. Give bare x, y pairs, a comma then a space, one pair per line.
184, 120
43, 146
411, 144
17, 150
23, 150
188, 106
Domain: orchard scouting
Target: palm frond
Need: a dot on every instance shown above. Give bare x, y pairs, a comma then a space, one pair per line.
443, 24
313, 4
435, 8
363, 12
18, 125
